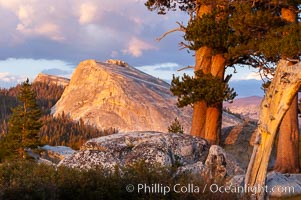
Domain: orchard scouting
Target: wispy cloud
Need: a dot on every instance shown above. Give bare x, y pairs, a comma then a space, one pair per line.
165, 70
87, 12
9, 78
136, 47
58, 72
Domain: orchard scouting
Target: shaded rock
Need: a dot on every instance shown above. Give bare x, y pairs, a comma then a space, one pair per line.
219, 163
56, 153
217, 166
278, 186
216, 163
283, 185
239, 140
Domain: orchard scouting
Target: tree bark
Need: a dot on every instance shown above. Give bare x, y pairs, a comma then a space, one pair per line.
203, 62
207, 121
214, 113
278, 98
287, 160
288, 134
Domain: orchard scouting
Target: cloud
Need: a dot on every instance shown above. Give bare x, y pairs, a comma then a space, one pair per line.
87, 12
7, 77
75, 30
169, 66
58, 72
137, 46
48, 30
252, 75
165, 70
34, 19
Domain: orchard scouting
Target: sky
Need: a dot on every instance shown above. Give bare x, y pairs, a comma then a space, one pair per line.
53, 36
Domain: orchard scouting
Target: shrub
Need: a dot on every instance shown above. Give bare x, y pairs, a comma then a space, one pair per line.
175, 127
28, 180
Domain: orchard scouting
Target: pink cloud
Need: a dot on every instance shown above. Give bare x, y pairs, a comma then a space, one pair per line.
136, 47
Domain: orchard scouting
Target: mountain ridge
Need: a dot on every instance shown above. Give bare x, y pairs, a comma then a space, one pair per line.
52, 79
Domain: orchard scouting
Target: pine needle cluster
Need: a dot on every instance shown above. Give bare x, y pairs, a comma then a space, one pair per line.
203, 87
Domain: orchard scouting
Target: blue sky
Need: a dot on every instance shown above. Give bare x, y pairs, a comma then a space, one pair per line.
53, 36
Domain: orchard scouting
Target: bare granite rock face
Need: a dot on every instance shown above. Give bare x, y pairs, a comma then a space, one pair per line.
114, 94
52, 80
190, 154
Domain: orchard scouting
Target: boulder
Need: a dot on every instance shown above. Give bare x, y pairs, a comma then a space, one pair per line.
283, 185
190, 154
56, 153
278, 186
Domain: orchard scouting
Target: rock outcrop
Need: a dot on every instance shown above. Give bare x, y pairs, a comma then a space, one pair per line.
114, 94
278, 186
56, 153
52, 80
190, 154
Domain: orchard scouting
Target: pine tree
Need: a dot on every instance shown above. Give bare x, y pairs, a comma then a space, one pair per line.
175, 127
225, 33
24, 124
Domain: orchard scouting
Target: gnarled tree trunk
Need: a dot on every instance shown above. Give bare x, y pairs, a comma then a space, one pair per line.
206, 121
203, 62
288, 135
214, 112
278, 98
287, 160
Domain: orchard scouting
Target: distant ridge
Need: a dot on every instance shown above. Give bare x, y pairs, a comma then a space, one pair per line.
247, 106
51, 79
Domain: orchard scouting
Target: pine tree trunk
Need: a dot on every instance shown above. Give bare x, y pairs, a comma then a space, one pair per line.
288, 134
214, 113
203, 62
288, 142
207, 121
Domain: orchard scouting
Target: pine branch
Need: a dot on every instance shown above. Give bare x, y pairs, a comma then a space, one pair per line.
188, 67
180, 28
182, 46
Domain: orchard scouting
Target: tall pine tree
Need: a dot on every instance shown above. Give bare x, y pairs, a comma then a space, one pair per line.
224, 33
24, 125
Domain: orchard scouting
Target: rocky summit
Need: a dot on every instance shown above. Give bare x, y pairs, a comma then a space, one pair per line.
115, 94
52, 80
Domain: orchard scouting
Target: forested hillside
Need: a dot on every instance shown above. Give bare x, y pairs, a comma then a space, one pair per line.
55, 131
